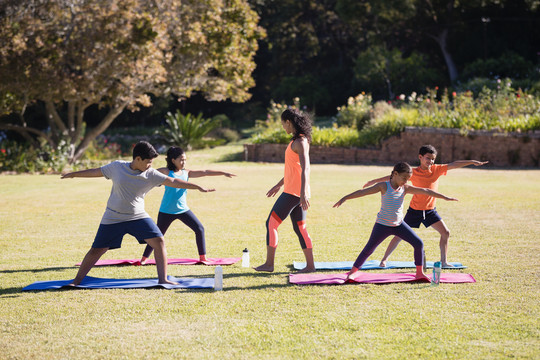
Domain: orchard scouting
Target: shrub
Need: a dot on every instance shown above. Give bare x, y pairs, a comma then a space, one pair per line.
186, 131
356, 113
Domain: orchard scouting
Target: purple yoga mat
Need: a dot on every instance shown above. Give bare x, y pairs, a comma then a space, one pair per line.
372, 278
215, 261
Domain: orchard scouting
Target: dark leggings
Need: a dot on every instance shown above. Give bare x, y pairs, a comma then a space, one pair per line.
381, 232
164, 221
286, 205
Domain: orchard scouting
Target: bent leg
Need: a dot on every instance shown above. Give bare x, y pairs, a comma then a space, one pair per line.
90, 259
441, 227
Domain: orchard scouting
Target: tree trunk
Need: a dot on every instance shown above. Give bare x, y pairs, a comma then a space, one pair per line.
452, 68
95, 132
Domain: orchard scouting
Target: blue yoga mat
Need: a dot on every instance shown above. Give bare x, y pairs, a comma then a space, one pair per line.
99, 283
369, 265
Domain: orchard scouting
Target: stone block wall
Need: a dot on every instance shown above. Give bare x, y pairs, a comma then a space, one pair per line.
500, 149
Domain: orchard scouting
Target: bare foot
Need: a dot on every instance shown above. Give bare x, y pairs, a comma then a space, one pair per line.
168, 282
447, 265
143, 261
351, 276
202, 258
264, 267
422, 277
383, 263
306, 270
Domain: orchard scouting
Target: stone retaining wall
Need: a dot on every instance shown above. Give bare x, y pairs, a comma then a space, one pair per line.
500, 149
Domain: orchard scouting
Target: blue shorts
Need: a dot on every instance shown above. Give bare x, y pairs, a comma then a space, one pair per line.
414, 218
111, 235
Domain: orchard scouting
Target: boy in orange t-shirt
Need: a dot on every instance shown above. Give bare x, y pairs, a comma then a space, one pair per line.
422, 207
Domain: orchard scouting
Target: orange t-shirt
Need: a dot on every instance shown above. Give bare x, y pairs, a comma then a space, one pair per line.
293, 173
426, 179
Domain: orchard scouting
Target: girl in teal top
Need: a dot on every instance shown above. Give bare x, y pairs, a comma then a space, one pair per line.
174, 205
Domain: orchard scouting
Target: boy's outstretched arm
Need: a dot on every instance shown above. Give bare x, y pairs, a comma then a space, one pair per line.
181, 184
83, 173
362, 192
462, 163
201, 173
375, 181
423, 191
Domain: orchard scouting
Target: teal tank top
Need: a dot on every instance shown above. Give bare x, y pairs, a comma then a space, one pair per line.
175, 200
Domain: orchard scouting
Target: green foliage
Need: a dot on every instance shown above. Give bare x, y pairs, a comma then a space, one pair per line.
26, 158
510, 65
503, 109
187, 131
356, 113
70, 55
388, 72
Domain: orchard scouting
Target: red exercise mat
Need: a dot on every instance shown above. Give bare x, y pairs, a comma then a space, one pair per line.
210, 261
372, 278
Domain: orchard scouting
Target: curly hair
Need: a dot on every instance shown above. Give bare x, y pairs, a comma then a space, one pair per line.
301, 122
173, 153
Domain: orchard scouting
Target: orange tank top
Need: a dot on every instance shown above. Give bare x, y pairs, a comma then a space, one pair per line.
293, 173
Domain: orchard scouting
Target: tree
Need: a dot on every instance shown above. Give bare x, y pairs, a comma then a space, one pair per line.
71, 54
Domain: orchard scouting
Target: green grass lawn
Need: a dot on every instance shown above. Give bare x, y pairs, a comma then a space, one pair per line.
48, 224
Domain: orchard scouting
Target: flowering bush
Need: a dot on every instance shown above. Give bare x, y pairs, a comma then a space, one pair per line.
359, 123
356, 113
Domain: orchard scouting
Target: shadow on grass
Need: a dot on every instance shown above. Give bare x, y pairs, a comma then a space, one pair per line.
37, 270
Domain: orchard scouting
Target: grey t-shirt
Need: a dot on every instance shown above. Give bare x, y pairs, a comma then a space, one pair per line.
126, 201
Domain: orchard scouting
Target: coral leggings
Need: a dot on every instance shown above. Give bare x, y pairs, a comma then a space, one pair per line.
286, 205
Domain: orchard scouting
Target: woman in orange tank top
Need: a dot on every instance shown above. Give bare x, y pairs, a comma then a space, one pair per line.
294, 200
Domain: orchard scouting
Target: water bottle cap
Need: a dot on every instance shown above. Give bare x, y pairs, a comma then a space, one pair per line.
437, 264
245, 250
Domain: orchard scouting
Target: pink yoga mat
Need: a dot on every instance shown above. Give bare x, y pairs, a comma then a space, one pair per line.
372, 278
215, 261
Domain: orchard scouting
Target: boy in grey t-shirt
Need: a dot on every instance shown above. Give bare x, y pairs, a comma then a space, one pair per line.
125, 212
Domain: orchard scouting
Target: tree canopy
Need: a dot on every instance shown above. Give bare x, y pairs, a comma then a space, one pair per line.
71, 54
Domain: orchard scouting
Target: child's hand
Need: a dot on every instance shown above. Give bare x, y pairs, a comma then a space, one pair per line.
229, 175
339, 203
67, 176
273, 191
479, 163
206, 190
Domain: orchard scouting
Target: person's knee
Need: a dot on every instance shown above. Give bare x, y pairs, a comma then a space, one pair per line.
156, 242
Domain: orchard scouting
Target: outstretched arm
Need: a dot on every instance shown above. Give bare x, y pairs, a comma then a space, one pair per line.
375, 181
462, 163
379, 187
181, 184
84, 173
409, 189
201, 173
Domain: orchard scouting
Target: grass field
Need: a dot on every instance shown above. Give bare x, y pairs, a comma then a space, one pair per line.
48, 224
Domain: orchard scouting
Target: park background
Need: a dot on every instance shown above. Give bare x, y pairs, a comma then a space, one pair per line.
82, 81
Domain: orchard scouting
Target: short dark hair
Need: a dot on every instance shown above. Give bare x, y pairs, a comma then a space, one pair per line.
173, 153
145, 150
427, 149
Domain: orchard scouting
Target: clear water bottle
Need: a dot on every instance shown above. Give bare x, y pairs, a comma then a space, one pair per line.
218, 278
245, 258
436, 278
